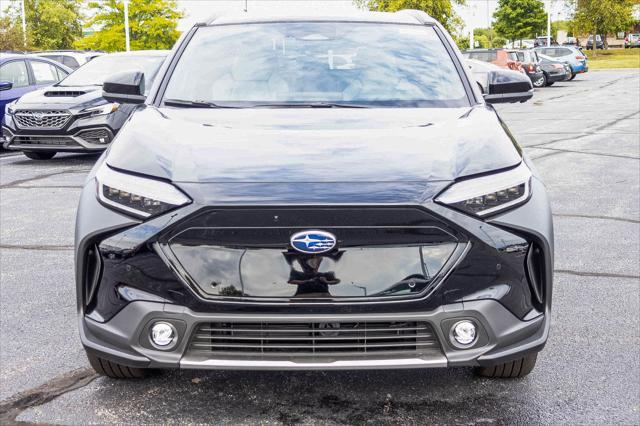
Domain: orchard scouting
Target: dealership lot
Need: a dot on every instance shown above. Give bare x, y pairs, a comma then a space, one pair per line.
584, 136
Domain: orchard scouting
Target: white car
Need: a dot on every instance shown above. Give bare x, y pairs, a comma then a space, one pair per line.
74, 59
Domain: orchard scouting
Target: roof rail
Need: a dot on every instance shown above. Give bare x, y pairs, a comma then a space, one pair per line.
208, 21
422, 16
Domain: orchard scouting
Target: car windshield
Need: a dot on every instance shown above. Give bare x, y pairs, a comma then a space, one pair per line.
95, 72
316, 63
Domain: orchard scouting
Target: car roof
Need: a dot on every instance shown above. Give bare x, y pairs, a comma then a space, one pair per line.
140, 53
407, 16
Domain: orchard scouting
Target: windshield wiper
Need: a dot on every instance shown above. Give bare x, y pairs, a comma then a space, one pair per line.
307, 105
194, 104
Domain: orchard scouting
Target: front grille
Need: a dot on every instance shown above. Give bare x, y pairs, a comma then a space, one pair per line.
51, 119
44, 141
314, 340
96, 136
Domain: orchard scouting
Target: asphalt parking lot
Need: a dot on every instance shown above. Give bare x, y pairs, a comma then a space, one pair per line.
584, 136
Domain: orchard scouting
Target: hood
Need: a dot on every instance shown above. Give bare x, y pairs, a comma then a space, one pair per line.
396, 150
61, 97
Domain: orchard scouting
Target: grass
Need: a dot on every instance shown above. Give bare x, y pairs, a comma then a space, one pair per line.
613, 58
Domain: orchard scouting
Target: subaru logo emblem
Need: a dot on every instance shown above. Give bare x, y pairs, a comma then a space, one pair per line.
313, 242
38, 115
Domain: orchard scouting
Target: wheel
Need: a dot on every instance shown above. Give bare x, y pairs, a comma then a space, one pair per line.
573, 75
115, 370
46, 155
540, 82
510, 370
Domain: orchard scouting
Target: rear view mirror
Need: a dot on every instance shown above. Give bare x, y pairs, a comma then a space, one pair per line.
5, 85
506, 86
125, 87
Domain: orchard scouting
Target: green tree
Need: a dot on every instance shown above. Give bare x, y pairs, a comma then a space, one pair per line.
488, 37
10, 35
51, 24
152, 25
602, 16
519, 19
441, 10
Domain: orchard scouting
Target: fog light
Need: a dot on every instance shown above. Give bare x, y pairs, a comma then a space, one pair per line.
163, 334
464, 333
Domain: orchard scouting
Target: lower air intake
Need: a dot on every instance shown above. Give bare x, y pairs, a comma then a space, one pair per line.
314, 340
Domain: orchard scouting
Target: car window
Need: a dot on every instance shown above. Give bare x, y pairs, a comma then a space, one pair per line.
563, 52
61, 73
363, 63
71, 62
15, 72
43, 72
56, 58
518, 56
483, 56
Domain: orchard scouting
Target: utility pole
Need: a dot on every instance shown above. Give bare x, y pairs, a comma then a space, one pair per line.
549, 23
24, 25
126, 24
246, 5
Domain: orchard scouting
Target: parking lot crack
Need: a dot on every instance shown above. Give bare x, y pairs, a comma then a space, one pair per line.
42, 176
575, 151
585, 216
35, 247
594, 274
12, 407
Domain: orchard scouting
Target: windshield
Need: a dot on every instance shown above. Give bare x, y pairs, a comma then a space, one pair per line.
314, 63
94, 73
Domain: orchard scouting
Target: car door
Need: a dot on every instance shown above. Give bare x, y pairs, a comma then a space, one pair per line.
16, 72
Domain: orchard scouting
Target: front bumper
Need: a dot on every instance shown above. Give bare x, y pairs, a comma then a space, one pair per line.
502, 337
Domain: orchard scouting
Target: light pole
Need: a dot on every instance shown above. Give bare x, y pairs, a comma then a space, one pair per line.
126, 24
549, 23
24, 25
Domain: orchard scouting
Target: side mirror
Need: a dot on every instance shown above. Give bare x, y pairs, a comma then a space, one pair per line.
125, 87
5, 85
506, 86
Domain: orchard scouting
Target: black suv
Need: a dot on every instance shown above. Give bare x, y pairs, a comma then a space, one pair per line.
315, 193
72, 115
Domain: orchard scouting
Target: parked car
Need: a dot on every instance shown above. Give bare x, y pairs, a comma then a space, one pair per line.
569, 54
541, 41
334, 195
499, 57
72, 115
529, 60
74, 59
20, 74
599, 42
553, 70
632, 40
571, 41
521, 44
481, 71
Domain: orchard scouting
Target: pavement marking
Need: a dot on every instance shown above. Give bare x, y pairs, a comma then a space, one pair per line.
13, 406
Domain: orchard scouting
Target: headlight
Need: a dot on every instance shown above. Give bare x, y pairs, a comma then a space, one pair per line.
489, 194
9, 108
137, 196
99, 110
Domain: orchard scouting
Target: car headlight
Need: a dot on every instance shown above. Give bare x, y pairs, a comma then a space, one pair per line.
10, 108
137, 196
489, 194
99, 110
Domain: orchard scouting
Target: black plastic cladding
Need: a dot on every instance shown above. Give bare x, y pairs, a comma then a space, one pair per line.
493, 267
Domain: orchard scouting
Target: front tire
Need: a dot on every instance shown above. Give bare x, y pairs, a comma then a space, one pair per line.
510, 370
540, 82
115, 370
573, 75
46, 155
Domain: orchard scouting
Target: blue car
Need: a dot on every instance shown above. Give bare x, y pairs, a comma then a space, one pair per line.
20, 74
567, 54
